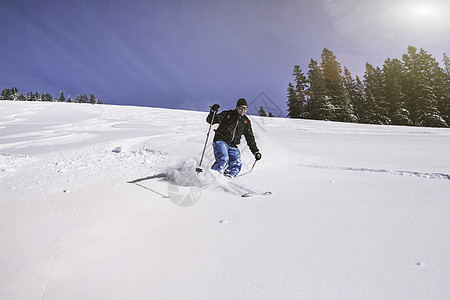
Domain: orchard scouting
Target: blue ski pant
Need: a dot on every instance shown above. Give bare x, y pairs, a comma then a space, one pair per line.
228, 159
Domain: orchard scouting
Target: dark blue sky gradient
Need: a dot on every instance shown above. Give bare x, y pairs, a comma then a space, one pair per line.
191, 54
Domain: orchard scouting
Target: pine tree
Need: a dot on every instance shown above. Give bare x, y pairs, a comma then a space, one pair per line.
355, 92
300, 86
31, 96
10, 94
15, 93
61, 97
293, 103
296, 95
5, 94
446, 64
411, 79
392, 72
358, 105
318, 105
92, 99
69, 99
420, 87
335, 89
46, 97
262, 112
375, 104
443, 90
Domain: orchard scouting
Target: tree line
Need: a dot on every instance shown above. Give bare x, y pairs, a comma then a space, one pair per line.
412, 91
14, 95
262, 113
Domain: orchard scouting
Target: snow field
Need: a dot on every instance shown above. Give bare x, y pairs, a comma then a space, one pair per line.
357, 211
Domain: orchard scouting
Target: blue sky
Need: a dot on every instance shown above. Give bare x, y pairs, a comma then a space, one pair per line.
191, 54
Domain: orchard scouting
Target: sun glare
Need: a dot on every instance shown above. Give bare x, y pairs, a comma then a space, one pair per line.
421, 16
424, 11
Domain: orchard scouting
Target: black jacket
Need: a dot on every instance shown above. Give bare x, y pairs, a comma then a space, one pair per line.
231, 128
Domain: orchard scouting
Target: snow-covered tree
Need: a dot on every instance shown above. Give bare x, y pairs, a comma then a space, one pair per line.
5, 95
11, 94
46, 97
92, 99
291, 101
411, 91
443, 90
61, 97
335, 89
446, 64
375, 104
392, 73
420, 87
355, 92
318, 105
296, 94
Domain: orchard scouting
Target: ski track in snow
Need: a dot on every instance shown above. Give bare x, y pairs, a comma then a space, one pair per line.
55, 250
392, 172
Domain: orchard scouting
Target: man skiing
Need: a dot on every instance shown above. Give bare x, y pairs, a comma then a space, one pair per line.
232, 125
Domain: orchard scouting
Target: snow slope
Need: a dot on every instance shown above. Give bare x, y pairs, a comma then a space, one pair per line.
357, 211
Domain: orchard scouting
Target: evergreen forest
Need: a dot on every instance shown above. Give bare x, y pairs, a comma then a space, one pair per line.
14, 95
414, 90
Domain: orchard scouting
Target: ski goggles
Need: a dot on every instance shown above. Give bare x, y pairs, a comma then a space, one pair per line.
243, 107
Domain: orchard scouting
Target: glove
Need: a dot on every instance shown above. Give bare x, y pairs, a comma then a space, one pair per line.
215, 108
258, 156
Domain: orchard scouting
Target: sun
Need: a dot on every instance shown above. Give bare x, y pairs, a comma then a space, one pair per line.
420, 16
424, 10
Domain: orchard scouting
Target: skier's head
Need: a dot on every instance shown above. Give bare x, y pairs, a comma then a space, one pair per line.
241, 106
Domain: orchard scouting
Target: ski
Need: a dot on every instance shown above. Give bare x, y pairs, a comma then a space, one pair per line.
251, 194
244, 191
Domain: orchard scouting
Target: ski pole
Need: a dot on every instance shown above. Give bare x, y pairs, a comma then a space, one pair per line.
253, 165
248, 171
199, 168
